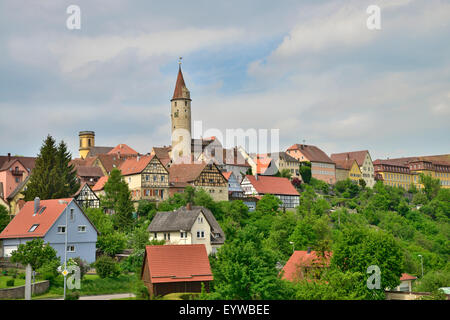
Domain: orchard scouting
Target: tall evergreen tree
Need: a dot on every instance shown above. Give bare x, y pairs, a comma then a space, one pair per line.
43, 179
52, 177
118, 198
67, 183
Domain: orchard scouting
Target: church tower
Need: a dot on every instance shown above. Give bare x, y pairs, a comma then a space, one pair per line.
87, 141
181, 121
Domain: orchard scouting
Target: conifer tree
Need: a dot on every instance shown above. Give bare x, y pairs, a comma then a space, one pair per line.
118, 198
52, 177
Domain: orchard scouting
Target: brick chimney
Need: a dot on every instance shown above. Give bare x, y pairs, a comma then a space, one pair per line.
9, 156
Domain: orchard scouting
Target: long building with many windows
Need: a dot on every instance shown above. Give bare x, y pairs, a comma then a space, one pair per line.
403, 172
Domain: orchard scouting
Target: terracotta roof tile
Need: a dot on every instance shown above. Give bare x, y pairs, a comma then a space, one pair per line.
312, 153
272, 185
134, 165
178, 263
180, 86
122, 149
406, 277
100, 184
185, 172
359, 156
19, 226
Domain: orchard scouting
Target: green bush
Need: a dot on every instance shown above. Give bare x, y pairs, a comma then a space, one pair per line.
10, 283
141, 291
49, 271
107, 267
72, 295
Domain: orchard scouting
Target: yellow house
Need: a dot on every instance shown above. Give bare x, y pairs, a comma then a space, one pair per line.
348, 169
406, 171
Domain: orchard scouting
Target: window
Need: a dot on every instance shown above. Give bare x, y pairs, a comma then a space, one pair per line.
33, 227
200, 234
162, 178
17, 180
129, 179
72, 214
167, 236
81, 228
183, 234
200, 219
61, 229
155, 235
71, 248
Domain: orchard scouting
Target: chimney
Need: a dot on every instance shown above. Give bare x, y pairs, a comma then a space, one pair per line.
9, 156
309, 250
189, 206
256, 176
348, 156
301, 146
36, 204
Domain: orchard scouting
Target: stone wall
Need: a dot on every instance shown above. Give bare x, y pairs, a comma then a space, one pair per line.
19, 292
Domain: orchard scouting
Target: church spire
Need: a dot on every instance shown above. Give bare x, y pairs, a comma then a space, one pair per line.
180, 92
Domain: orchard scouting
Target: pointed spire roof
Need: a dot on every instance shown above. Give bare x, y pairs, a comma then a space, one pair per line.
180, 87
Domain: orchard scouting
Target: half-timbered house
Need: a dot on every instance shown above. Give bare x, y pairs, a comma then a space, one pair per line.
147, 178
86, 197
200, 175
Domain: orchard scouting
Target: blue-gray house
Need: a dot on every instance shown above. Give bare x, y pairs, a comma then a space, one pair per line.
46, 219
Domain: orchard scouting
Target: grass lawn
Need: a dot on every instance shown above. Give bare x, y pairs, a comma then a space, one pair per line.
17, 282
179, 296
94, 285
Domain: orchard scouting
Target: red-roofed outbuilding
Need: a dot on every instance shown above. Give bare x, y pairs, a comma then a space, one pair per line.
176, 268
302, 263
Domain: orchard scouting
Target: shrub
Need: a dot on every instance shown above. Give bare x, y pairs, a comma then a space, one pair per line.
107, 267
72, 295
49, 271
141, 291
83, 265
10, 283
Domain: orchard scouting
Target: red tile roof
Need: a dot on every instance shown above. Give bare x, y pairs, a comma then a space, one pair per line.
303, 259
406, 277
185, 172
344, 164
24, 220
134, 165
178, 92
359, 156
227, 174
123, 149
312, 153
100, 184
178, 263
272, 185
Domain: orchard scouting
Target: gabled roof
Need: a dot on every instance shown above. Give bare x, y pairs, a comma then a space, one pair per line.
100, 184
185, 172
344, 164
25, 219
359, 156
178, 263
78, 162
227, 174
87, 171
110, 161
304, 259
312, 153
123, 149
135, 165
7, 161
272, 185
406, 277
93, 151
183, 219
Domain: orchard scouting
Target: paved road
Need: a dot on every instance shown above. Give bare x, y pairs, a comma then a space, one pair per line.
105, 296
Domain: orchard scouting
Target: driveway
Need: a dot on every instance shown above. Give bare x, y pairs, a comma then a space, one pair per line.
105, 296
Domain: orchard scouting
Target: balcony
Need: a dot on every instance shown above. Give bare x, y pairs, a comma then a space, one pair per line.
16, 172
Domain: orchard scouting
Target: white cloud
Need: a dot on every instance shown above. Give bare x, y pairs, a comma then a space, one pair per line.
73, 53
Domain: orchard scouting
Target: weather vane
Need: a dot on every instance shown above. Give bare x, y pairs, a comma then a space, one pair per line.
179, 60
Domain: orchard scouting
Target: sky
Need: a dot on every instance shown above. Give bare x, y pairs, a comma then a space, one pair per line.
311, 69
